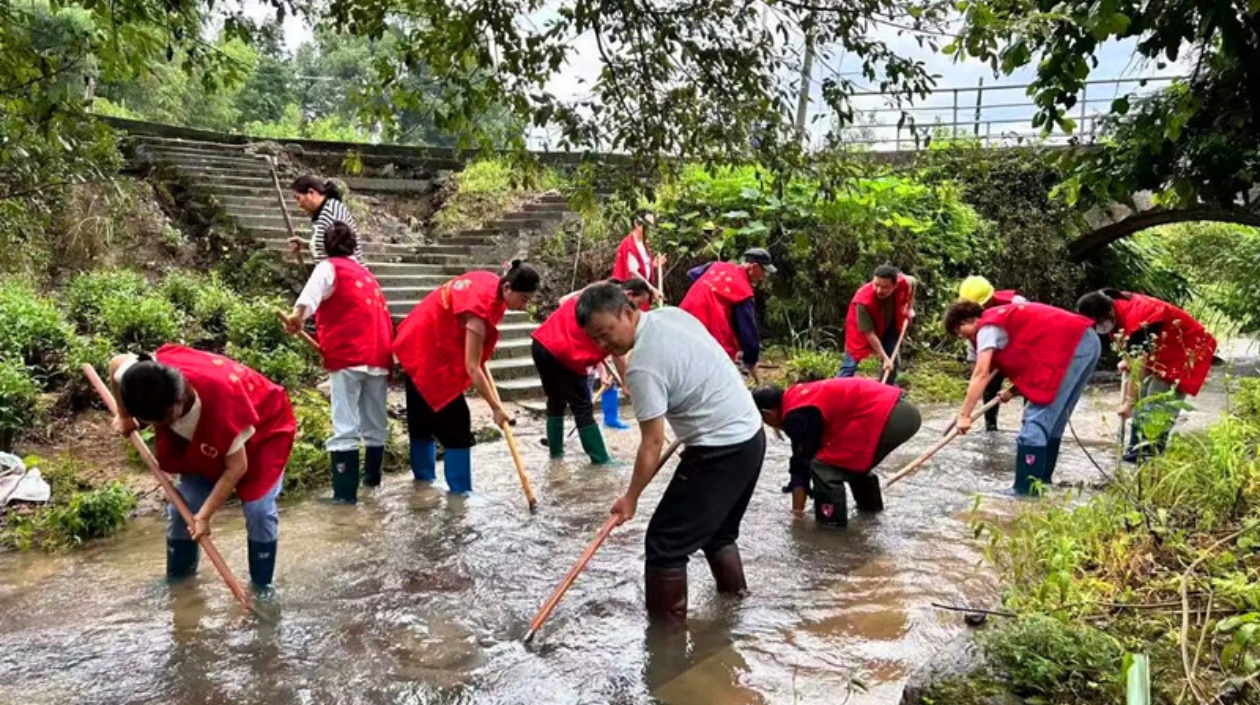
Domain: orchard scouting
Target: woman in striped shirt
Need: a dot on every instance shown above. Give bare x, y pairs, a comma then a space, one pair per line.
322, 200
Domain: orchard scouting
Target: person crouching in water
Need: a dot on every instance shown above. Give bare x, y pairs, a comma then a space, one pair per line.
224, 429
840, 430
355, 334
1175, 348
442, 347
1048, 355
563, 353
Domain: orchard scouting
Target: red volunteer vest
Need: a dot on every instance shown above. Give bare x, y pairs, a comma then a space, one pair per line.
565, 339
711, 298
627, 251
233, 398
1002, 297
855, 412
353, 323
1041, 342
1182, 355
855, 340
430, 340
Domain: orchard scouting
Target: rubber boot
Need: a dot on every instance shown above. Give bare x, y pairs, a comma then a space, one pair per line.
424, 461
345, 476
458, 468
181, 558
666, 590
593, 443
555, 436
610, 401
1052, 461
831, 510
373, 461
1030, 466
262, 566
728, 570
991, 419
866, 494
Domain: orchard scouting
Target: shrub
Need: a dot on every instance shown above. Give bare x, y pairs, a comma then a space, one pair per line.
811, 365
32, 330
1062, 661
19, 401
309, 466
140, 323
1247, 400
84, 516
256, 338
88, 293
93, 350
214, 302
181, 289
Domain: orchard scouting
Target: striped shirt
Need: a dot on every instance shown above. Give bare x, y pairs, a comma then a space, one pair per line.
332, 211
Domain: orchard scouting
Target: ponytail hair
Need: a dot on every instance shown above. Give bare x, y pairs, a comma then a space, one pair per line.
521, 278
310, 182
148, 389
339, 240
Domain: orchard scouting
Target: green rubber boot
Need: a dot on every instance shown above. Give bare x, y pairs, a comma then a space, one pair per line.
593, 444
555, 436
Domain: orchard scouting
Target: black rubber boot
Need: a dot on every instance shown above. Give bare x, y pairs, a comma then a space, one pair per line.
1052, 460
345, 476
831, 510
262, 566
728, 570
666, 594
181, 558
866, 493
373, 461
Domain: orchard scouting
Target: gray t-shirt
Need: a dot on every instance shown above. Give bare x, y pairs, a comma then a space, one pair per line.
677, 370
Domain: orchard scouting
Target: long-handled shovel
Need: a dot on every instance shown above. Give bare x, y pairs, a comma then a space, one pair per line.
516, 454
896, 350
172, 494
550, 605
288, 223
306, 337
927, 454
1124, 396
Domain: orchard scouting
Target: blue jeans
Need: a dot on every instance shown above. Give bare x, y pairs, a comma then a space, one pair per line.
358, 410
848, 367
262, 518
1045, 423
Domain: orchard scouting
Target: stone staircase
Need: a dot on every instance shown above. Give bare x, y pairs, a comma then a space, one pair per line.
242, 183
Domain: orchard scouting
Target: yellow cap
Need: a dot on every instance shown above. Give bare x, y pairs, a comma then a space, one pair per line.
977, 289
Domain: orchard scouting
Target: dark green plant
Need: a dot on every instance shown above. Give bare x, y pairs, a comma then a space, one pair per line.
141, 323
811, 365
19, 401
90, 292
84, 516
32, 329
1059, 660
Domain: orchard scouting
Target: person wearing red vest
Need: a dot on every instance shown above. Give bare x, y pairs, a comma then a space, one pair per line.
355, 334
721, 297
840, 430
1048, 355
564, 354
634, 259
979, 290
224, 429
442, 347
877, 312
1176, 351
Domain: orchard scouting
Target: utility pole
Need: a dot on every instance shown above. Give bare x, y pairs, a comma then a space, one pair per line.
807, 73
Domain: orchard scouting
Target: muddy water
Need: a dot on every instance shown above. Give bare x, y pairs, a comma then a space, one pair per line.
417, 597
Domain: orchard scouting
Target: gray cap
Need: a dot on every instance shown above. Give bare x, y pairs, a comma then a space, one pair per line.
759, 256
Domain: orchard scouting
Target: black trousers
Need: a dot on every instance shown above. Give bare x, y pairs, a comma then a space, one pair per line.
991, 391
563, 387
829, 481
451, 425
705, 502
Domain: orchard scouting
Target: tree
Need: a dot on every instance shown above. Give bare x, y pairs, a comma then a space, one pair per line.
271, 86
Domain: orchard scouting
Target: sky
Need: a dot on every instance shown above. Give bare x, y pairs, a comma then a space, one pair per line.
1116, 61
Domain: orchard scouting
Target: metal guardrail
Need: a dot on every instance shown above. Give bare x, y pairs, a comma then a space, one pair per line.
989, 114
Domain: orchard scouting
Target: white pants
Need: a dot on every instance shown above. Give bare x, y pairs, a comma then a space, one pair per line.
358, 410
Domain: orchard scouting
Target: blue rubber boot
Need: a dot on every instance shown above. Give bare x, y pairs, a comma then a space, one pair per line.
181, 559
1052, 461
1030, 467
610, 401
424, 461
458, 464
262, 566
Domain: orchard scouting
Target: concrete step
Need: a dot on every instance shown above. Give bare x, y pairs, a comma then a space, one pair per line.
511, 368
556, 209
515, 224
267, 223
268, 201
176, 143
271, 210
523, 388
186, 150
408, 282
259, 180
238, 190
514, 348
417, 270
369, 248
552, 200
194, 160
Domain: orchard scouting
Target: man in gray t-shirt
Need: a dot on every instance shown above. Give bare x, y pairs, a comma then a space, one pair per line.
679, 373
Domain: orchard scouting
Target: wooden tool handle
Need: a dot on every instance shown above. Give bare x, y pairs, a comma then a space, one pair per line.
550, 605
511, 441
288, 223
896, 349
306, 337
953, 433
171, 493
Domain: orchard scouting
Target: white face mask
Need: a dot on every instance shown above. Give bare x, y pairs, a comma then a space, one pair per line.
1105, 327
